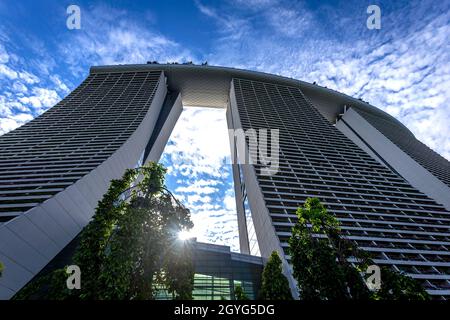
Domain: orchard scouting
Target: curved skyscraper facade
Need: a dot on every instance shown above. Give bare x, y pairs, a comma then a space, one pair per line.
390, 192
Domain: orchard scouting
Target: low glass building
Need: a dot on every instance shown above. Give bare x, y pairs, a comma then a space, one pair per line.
218, 271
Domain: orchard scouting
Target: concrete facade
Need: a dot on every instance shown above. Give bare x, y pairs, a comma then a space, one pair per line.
30, 240
388, 152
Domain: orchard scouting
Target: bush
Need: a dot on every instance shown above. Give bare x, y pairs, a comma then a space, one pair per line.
275, 285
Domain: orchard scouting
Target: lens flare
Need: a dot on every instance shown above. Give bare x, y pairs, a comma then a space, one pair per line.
185, 235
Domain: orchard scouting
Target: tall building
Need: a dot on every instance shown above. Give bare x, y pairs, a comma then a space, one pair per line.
390, 192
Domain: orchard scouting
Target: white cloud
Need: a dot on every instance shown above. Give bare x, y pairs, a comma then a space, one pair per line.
7, 72
230, 202
4, 56
21, 99
41, 99
290, 22
109, 36
196, 189
19, 87
28, 77
199, 143
217, 226
60, 85
7, 124
256, 4
22, 117
13, 121
197, 153
231, 27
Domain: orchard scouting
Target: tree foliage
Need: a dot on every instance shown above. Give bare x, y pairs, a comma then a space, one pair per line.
1, 269
275, 285
131, 247
239, 293
51, 286
396, 286
328, 267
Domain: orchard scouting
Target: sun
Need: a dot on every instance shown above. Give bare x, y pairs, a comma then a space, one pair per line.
185, 235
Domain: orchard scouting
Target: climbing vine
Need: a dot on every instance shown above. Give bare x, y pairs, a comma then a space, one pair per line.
131, 245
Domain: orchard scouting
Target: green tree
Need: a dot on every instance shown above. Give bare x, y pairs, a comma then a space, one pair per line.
50, 286
1, 269
275, 285
239, 293
131, 245
320, 259
397, 286
179, 271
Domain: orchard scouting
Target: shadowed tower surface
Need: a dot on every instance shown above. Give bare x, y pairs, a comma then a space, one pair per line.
389, 191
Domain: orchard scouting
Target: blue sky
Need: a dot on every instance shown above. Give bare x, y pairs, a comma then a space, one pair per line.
403, 68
